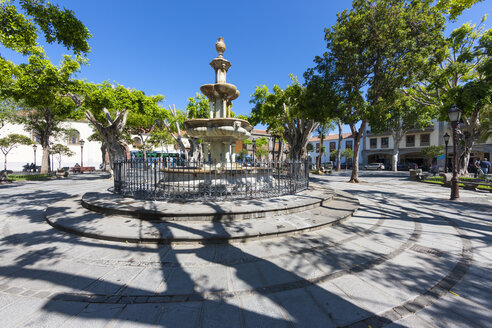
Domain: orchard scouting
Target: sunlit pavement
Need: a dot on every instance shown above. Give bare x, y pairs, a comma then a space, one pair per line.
409, 257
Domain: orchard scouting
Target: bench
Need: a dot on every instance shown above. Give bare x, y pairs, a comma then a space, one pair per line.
82, 169
473, 185
446, 178
416, 174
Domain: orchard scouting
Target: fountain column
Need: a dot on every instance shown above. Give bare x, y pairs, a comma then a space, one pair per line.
220, 130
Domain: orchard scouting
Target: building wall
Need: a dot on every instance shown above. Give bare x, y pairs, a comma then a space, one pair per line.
18, 157
409, 153
331, 139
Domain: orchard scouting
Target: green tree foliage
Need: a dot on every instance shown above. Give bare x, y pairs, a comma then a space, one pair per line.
373, 50
10, 142
198, 107
334, 154
261, 147
243, 153
310, 147
144, 121
454, 8
348, 154
432, 152
108, 107
399, 116
21, 22
7, 111
60, 150
160, 137
288, 110
42, 88
322, 130
463, 78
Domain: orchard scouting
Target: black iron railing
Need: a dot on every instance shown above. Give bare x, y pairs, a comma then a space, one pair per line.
198, 181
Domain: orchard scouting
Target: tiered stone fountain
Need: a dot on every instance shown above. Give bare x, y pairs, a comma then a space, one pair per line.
219, 132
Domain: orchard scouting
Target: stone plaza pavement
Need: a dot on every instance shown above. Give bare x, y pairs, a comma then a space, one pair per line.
409, 257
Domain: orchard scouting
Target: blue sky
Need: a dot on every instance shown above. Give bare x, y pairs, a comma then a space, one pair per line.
165, 47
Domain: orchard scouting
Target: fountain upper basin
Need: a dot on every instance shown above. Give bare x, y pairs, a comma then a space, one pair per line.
218, 129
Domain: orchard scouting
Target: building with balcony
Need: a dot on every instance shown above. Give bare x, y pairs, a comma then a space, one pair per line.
331, 143
378, 148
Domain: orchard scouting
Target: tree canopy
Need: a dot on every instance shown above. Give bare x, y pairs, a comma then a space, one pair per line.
22, 22
42, 89
10, 142
286, 110
375, 49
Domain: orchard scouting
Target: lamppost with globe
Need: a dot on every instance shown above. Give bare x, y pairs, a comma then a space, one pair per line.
51, 162
81, 142
454, 114
446, 141
34, 147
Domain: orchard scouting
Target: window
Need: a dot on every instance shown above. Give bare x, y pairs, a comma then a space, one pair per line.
373, 142
73, 138
410, 141
333, 146
348, 144
137, 142
317, 147
425, 139
384, 142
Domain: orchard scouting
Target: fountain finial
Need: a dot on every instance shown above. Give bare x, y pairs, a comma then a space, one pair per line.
220, 46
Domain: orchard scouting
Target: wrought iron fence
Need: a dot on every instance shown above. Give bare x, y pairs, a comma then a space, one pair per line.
199, 181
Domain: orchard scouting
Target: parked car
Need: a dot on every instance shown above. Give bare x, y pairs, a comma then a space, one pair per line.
374, 166
328, 165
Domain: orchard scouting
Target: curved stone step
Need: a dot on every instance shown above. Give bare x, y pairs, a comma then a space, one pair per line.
69, 216
108, 203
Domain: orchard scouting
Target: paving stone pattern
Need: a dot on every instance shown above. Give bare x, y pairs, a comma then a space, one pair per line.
408, 257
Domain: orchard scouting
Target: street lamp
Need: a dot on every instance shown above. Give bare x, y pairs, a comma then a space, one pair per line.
454, 114
34, 147
81, 142
446, 141
51, 163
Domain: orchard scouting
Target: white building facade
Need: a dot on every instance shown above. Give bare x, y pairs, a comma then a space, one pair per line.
90, 153
378, 148
331, 143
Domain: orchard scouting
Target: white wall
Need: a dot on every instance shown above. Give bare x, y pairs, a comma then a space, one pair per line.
326, 143
21, 155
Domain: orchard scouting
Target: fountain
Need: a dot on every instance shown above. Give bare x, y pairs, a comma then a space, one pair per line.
150, 201
218, 177
220, 131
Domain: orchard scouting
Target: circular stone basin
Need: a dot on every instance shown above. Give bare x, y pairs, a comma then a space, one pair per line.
214, 129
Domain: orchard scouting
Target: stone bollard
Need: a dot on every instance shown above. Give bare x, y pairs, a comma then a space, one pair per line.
447, 178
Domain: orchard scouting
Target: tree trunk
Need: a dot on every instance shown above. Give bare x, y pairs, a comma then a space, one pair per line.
396, 154
195, 149
5, 162
340, 138
104, 155
111, 134
280, 148
464, 158
318, 163
354, 177
297, 133
394, 159
45, 162
471, 134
